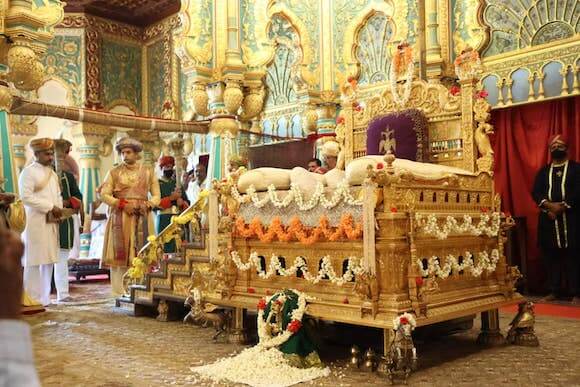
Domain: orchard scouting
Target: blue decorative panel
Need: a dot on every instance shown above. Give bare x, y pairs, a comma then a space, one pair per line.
490, 85
521, 85
297, 126
121, 72
553, 79
64, 61
267, 129
158, 71
516, 24
282, 127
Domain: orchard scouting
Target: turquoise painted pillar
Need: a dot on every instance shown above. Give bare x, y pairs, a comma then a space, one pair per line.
90, 174
8, 170
215, 158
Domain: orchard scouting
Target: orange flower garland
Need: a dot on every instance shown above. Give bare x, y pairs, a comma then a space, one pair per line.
347, 229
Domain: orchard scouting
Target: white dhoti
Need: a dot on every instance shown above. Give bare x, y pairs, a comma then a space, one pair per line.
61, 275
76, 247
37, 282
117, 280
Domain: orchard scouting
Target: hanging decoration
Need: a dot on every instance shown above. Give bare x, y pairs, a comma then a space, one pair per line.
485, 262
346, 229
294, 195
403, 67
354, 267
488, 225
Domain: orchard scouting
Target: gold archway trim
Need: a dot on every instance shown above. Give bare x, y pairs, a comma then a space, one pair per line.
351, 32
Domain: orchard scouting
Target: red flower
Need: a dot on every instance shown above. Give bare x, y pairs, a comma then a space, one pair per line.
294, 326
345, 300
394, 209
481, 94
380, 166
251, 290
455, 90
419, 281
262, 304
404, 320
340, 120
351, 78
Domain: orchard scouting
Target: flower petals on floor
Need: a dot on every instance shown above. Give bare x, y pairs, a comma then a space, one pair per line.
258, 366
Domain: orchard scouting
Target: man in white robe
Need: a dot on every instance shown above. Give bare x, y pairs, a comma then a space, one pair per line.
197, 184
40, 193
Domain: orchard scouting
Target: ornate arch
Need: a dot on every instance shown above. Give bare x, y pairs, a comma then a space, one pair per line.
354, 27
262, 54
122, 102
66, 85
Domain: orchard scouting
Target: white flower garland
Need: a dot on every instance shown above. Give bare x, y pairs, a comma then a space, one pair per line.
354, 268
428, 225
402, 100
341, 194
484, 263
408, 316
266, 341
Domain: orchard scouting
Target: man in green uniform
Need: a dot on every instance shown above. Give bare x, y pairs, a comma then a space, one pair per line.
173, 200
72, 198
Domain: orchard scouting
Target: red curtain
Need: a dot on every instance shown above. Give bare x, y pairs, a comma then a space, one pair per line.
521, 149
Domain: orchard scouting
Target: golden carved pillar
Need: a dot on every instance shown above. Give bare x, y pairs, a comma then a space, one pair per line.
468, 87
433, 48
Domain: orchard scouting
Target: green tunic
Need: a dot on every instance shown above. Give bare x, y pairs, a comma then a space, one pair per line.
166, 187
69, 188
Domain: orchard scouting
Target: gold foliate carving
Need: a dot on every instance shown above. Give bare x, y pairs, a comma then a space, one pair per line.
200, 99
310, 116
482, 114
196, 38
5, 98
469, 30
264, 49
26, 72
233, 97
253, 102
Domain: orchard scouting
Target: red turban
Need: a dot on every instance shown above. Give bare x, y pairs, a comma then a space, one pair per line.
558, 138
166, 161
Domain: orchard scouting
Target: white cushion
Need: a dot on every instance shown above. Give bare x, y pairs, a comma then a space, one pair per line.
261, 178
356, 170
334, 177
306, 181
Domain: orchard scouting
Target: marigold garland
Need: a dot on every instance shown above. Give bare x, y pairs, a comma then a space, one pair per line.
347, 229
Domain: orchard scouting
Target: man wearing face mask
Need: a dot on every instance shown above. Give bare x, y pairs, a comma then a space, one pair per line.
173, 199
556, 190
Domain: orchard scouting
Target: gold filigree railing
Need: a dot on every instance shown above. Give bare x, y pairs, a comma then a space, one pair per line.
152, 252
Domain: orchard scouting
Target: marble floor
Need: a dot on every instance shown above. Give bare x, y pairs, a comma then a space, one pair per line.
100, 345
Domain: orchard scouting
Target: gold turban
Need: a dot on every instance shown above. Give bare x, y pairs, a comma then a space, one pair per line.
128, 142
41, 144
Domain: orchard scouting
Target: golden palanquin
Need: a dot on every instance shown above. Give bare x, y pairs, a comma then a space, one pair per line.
437, 249
421, 237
